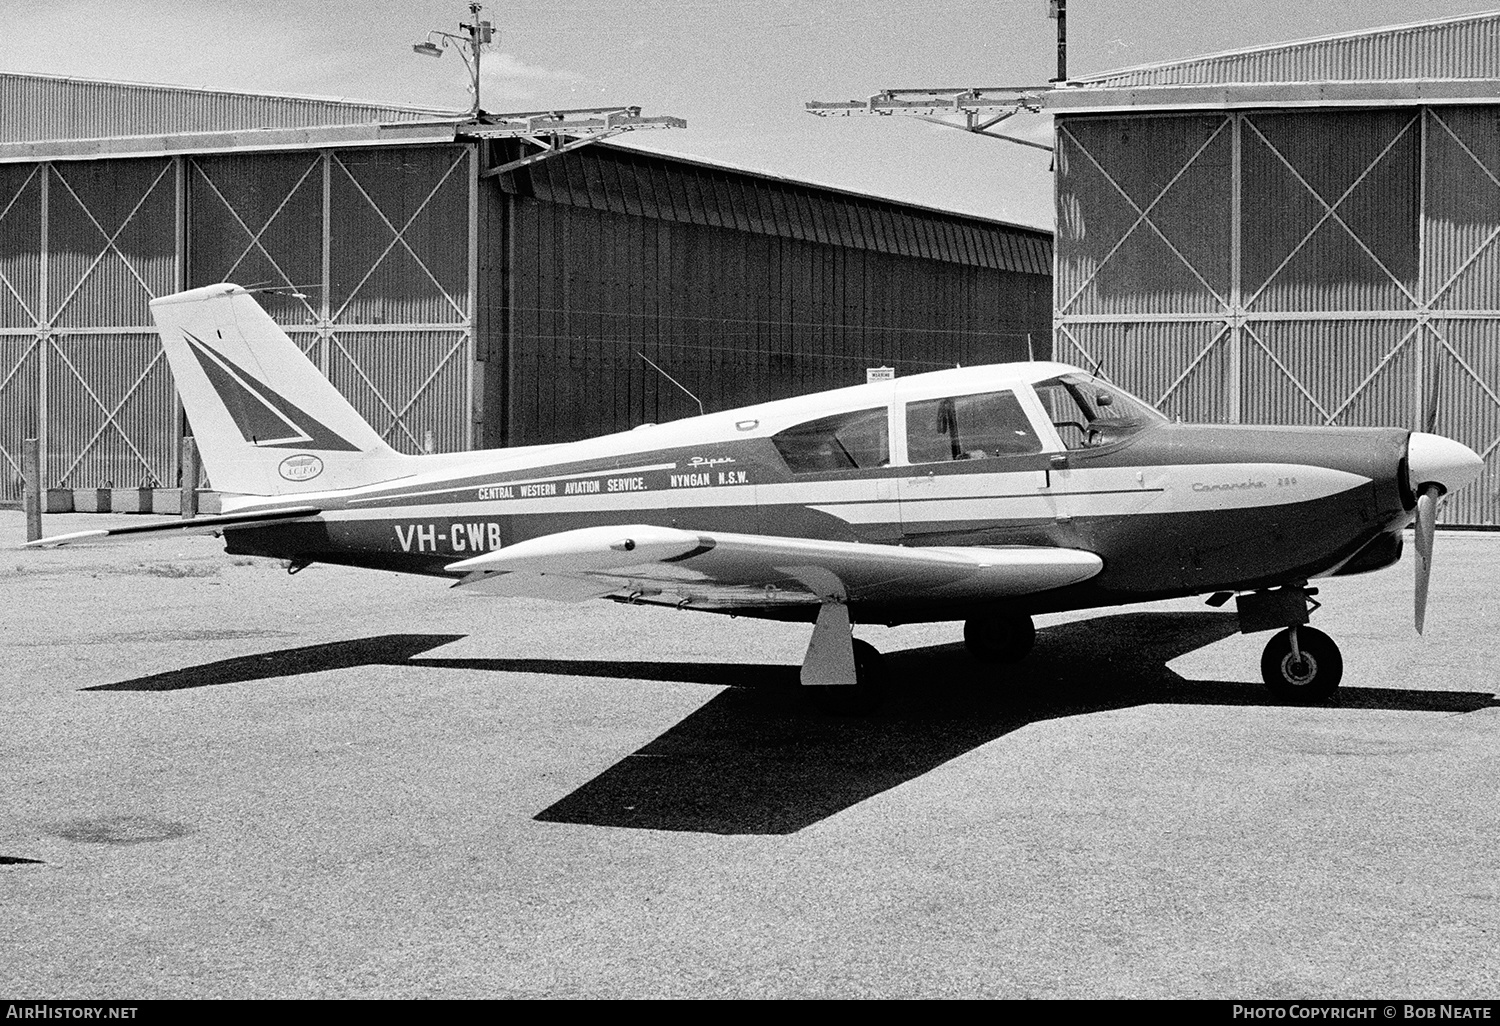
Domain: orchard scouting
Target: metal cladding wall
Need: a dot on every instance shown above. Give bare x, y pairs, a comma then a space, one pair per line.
370, 249
1305, 267
741, 287
426, 315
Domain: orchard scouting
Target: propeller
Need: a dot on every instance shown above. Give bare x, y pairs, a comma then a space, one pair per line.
1427, 499
1435, 466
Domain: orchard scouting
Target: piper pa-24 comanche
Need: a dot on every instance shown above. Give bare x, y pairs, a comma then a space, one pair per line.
981, 494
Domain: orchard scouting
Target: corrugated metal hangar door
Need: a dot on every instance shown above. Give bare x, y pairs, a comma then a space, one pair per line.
365, 255
20, 341
1308, 267
369, 251
86, 246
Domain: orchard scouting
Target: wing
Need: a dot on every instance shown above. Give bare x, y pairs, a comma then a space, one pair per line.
197, 525
720, 570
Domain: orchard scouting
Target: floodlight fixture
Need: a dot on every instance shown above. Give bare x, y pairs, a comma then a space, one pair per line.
476, 35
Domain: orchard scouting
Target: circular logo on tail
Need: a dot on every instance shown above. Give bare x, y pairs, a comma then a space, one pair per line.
302, 467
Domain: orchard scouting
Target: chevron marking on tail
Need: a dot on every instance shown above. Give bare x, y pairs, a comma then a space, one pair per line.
266, 420
263, 417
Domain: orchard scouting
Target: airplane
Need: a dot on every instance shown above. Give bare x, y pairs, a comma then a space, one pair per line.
986, 495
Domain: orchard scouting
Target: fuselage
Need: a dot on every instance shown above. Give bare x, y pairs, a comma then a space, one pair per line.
1024, 454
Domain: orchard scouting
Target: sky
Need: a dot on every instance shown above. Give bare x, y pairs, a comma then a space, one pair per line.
739, 71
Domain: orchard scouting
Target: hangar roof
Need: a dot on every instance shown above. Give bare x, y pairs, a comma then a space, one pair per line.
1449, 60
46, 116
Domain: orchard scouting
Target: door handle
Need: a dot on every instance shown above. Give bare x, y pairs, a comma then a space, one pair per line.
1057, 461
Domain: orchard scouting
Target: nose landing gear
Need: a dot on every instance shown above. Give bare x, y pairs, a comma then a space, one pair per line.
1300, 663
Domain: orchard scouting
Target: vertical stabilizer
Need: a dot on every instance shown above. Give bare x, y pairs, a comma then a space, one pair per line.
266, 421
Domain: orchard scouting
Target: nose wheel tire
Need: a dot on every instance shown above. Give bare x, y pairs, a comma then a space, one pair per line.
868, 692
999, 637
1310, 674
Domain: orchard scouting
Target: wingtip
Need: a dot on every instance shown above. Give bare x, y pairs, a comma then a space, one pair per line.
58, 540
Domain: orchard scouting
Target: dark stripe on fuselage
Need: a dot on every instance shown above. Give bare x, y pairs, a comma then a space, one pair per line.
1147, 553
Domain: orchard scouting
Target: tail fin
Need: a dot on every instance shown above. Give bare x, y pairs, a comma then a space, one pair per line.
265, 420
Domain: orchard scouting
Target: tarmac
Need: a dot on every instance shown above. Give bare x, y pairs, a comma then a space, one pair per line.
219, 780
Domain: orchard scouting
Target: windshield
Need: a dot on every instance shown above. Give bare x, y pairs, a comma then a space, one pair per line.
1089, 413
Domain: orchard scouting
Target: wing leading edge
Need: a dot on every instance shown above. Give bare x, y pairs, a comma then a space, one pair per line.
712, 569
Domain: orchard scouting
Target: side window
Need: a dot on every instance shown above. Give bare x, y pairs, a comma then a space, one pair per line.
846, 441
968, 427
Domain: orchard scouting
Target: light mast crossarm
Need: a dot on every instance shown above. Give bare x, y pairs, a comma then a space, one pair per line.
980, 109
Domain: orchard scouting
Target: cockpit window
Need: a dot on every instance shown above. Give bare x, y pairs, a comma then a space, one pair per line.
1089, 413
846, 441
968, 427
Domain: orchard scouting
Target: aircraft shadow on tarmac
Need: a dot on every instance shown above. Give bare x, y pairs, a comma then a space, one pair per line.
756, 760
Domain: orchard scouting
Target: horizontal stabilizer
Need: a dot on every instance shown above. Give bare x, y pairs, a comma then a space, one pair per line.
197, 525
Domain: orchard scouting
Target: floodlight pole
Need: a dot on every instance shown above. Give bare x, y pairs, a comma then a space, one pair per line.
1058, 11
554, 131
470, 46
479, 34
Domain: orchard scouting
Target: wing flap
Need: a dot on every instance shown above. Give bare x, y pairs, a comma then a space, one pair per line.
728, 569
585, 550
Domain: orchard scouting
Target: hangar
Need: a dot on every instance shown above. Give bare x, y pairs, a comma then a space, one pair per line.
458, 304
1303, 233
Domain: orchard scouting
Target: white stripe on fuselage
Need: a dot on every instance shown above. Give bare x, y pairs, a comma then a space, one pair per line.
1099, 491
471, 485
1081, 492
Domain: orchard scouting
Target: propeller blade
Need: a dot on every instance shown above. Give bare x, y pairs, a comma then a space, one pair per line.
1426, 526
1434, 396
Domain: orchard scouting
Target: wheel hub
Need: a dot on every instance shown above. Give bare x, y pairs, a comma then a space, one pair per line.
1299, 671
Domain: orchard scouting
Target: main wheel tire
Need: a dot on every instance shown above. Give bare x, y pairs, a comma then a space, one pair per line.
1312, 679
868, 692
999, 637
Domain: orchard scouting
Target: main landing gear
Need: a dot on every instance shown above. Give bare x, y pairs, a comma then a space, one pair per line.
841, 674
1300, 663
999, 637
868, 692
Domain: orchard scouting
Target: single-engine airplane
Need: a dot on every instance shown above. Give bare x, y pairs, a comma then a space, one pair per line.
982, 494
